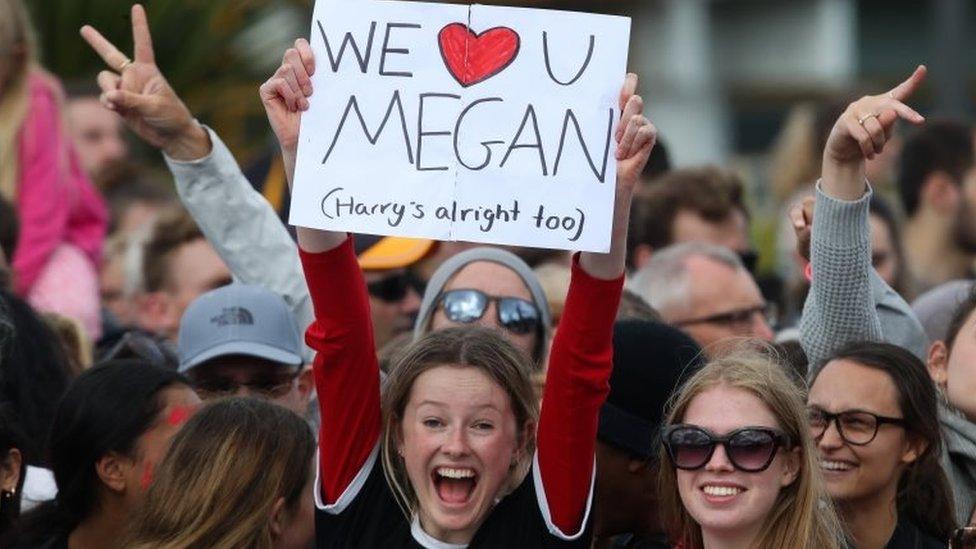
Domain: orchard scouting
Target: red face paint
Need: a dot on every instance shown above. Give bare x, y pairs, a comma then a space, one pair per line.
179, 415
147, 476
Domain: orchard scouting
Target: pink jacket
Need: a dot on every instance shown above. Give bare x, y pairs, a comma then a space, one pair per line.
55, 200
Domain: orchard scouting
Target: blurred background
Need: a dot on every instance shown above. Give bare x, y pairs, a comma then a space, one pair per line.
740, 83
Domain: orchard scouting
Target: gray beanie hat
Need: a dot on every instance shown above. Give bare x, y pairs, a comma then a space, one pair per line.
936, 307
452, 266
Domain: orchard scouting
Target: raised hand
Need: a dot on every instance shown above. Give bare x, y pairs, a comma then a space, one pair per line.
138, 91
636, 136
861, 133
635, 139
285, 95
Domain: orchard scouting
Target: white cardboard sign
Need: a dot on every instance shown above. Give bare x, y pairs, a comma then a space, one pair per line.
452, 122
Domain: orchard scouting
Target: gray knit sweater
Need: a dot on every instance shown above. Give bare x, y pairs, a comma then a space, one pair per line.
848, 301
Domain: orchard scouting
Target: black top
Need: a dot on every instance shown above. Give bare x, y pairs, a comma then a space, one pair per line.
631, 541
908, 536
374, 520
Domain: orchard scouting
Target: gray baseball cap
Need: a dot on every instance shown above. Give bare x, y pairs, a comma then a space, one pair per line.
238, 319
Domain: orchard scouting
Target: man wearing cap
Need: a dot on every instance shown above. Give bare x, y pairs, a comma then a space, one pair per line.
650, 361
242, 340
249, 236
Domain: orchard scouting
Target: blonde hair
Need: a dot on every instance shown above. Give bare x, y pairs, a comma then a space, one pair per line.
465, 347
222, 475
802, 516
18, 46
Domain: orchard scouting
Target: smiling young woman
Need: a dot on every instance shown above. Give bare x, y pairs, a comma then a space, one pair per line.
873, 414
743, 469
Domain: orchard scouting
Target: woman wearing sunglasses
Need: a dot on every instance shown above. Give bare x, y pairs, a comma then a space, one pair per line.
743, 469
465, 462
489, 287
873, 413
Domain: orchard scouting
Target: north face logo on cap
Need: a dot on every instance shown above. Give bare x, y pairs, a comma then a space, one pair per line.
233, 315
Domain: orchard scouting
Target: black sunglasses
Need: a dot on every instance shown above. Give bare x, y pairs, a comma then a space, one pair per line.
269, 386
749, 449
514, 314
856, 427
395, 287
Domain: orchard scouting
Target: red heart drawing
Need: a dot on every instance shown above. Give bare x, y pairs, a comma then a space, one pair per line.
473, 58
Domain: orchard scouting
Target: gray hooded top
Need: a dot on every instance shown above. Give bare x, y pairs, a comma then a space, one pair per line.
959, 460
447, 270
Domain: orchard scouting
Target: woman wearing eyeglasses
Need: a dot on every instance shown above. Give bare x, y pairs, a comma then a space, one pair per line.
874, 416
738, 466
466, 461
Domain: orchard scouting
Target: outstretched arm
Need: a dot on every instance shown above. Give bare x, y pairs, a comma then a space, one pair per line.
236, 219
346, 370
842, 305
582, 353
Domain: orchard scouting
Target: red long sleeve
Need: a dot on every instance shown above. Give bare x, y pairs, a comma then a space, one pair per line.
347, 375
577, 384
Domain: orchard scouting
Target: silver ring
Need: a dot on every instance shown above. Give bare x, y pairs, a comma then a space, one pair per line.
864, 118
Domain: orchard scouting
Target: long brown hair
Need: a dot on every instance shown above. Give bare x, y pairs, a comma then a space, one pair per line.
924, 497
223, 474
802, 516
464, 347
17, 43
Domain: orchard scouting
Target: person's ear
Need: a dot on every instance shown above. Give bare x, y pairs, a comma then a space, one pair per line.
154, 312
306, 383
792, 463
10, 470
278, 519
111, 469
938, 364
940, 192
525, 436
914, 447
642, 254
636, 465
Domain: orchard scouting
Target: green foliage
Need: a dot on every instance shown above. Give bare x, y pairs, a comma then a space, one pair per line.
215, 53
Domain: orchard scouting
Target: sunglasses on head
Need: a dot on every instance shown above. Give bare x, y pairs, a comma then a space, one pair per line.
394, 288
514, 314
749, 449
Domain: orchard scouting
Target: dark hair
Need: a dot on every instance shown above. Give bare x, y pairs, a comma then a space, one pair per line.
9, 229
11, 437
959, 317
106, 409
33, 371
940, 146
173, 229
712, 193
924, 495
124, 184
658, 163
883, 210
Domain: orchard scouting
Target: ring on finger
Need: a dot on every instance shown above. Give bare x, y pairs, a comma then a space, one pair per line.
125, 64
864, 118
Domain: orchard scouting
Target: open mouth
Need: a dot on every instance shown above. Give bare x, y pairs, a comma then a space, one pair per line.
835, 466
723, 491
454, 485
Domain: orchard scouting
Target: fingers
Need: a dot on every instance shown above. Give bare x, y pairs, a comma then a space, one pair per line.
296, 73
907, 88
305, 52
646, 136
141, 38
121, 100
876, 132
797, 217
626, 92
860, 135
278, 89
105, 49
108, 81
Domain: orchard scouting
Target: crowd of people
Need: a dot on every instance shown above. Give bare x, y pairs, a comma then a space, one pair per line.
181, 369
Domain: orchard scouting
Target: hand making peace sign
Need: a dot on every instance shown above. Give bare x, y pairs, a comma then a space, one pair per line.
137, 90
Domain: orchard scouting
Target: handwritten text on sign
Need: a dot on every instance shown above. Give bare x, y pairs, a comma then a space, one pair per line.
451, 122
